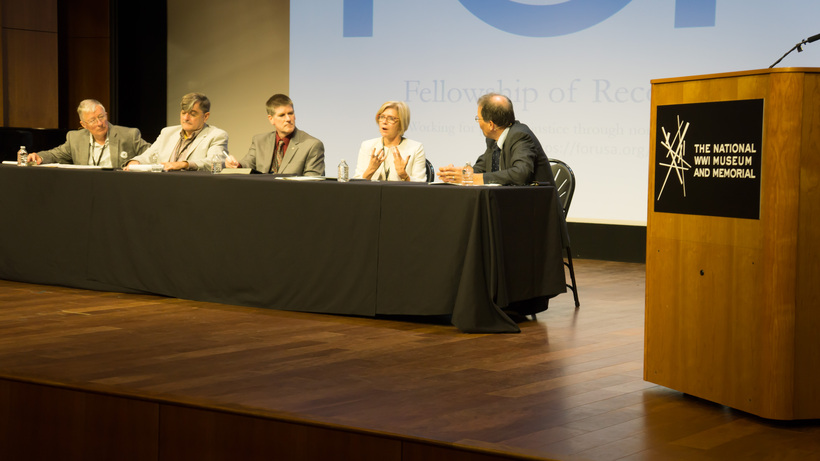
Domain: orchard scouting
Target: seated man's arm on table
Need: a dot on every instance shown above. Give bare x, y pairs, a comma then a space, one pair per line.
60, 154
145, 157
201, 157
315, 160
454, 174
523, 155
248, 161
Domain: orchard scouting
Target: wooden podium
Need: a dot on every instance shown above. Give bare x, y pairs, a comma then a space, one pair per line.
733, 305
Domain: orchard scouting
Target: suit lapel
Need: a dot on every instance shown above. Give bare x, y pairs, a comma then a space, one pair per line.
505, 154
293, 146
114, 146
264, 154
290, 153
505, 151
201, 136
84, 144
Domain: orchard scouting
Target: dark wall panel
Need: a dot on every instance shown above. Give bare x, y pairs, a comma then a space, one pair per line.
139, 65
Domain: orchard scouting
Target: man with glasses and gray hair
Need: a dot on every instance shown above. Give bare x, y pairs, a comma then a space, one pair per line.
98, 143
191, 145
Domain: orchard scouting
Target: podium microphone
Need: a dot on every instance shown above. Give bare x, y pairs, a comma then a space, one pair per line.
798, 47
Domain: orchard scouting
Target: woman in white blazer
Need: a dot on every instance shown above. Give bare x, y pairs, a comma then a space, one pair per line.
392, 157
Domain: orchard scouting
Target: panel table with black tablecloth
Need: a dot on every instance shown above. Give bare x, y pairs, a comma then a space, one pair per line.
358, 248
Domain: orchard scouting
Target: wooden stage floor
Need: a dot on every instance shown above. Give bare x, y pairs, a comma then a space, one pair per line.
568, 387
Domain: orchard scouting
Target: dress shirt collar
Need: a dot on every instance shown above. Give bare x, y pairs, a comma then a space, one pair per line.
193, 136
501, 138
92, 141
99, 154
286, 139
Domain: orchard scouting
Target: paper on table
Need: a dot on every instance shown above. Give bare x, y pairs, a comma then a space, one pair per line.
302, 178
464, 185
70, 166
59, 165
140, 167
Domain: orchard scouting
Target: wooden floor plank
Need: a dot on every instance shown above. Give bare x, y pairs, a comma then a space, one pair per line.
569, 386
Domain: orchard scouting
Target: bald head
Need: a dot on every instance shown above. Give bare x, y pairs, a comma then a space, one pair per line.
496, 108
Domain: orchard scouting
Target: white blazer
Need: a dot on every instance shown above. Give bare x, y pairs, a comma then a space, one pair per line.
416, 166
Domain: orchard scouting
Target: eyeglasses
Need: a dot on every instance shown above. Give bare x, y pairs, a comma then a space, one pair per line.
388, 119
98, 119
477, 118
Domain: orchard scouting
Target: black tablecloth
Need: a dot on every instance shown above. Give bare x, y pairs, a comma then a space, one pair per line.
358, 248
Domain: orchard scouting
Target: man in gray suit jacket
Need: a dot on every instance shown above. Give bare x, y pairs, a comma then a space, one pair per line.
97, 143
286, 150
514, 155
192, 144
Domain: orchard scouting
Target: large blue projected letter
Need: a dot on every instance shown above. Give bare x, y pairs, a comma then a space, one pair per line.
538, 20
358, 18
543, 20
695, 13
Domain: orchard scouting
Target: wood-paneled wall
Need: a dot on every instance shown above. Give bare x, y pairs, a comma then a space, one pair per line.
88, 63
30, 61
49, 46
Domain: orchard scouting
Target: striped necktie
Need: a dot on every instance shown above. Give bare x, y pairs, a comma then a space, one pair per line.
277, 157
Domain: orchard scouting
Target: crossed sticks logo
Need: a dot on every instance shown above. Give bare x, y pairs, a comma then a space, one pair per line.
675, 155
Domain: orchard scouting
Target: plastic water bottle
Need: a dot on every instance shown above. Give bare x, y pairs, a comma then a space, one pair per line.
467, 174
343, 171
156, 167
217, 162
22, 156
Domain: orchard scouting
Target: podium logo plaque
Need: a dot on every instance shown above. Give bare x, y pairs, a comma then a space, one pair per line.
707, 158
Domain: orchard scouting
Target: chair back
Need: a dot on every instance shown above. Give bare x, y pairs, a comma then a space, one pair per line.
564, 182
431, 174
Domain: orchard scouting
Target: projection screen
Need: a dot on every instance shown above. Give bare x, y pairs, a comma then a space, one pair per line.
578, 73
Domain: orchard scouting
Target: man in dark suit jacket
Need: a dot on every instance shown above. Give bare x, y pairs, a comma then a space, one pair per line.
298, 152
97, 143
513, 156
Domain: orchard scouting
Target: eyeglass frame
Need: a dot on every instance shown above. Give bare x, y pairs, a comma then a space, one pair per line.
97, 120
387, 118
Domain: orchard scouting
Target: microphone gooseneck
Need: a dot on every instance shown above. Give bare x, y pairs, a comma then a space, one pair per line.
798, 47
